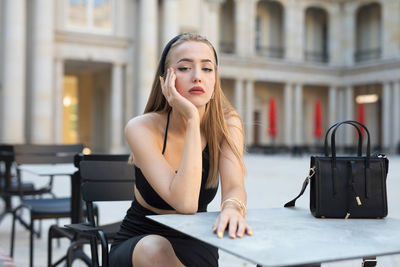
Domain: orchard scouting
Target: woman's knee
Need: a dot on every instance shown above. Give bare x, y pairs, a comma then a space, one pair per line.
153, 250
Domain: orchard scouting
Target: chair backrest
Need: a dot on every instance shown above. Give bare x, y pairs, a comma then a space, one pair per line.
99, 157
46, 154
106, 181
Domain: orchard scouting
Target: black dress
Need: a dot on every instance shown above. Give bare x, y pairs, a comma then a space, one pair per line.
135, 226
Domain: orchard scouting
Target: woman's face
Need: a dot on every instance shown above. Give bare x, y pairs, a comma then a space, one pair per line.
194, 65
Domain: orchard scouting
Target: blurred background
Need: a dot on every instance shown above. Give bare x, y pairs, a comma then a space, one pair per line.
75, 71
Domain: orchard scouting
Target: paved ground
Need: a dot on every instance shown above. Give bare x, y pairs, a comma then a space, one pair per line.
271, 181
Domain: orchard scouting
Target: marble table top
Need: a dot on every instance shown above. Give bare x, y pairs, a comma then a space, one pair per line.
292, 236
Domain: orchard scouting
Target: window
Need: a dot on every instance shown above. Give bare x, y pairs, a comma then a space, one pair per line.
90, 15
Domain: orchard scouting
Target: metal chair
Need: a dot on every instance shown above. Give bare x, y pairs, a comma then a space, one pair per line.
107, 165
41, 208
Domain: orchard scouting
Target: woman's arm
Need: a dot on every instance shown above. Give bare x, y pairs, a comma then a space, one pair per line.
180, 190
232, 186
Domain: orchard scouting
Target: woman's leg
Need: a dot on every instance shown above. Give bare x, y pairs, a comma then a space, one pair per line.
154, 250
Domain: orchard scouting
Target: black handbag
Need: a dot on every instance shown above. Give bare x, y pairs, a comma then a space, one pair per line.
347, 186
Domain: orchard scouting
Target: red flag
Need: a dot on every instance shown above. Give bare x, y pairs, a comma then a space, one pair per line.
272, 117
317, 119
361, 117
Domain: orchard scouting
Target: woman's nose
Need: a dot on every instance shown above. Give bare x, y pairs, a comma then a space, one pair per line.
197, 75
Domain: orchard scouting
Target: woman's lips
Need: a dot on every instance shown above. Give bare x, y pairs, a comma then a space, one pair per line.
196, 90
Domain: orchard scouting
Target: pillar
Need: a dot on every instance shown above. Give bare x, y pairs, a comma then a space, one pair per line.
13, 74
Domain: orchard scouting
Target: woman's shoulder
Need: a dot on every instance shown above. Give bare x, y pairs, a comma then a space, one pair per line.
148, 124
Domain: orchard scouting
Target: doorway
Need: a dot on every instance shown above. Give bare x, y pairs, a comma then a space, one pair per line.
86, 108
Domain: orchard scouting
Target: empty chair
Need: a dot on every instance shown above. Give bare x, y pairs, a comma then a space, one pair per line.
77, 239
42, 208
103, 181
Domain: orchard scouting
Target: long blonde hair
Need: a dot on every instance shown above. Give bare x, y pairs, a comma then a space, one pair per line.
214, 122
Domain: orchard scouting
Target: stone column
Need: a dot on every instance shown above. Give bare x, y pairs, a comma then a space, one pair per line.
386, 123
390, 29
58, 100
239, 97
288, 111
348, 34
116, 109
396, 114
335, 31
13, 72
349, 113
42, 69
298, 113
170, 20
241, 42
251, 28
213, 22
294, 30
332, 106
147, 57
249, 112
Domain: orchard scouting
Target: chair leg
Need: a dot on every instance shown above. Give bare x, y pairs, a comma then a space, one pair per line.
49, 246
31, 244
12, 235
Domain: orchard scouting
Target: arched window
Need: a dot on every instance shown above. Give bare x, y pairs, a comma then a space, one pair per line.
227, 27
368, 33
269, 29
316, 35
90, 15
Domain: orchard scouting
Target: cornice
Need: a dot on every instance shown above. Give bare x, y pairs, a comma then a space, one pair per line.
92, 39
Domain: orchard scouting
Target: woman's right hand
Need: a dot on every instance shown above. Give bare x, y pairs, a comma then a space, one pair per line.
175, 99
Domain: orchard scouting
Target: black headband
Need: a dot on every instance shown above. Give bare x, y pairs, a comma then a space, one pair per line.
168, 47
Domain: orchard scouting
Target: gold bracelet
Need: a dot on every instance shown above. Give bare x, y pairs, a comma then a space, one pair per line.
240, 204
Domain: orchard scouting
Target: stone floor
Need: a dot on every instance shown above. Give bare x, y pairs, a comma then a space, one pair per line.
271, 181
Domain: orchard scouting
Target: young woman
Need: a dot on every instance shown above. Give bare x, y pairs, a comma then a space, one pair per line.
188, 137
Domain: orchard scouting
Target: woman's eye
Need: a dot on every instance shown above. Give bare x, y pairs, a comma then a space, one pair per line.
183, 68
207, 69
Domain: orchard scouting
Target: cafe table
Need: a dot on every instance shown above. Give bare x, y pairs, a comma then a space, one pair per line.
292, 236
61, 169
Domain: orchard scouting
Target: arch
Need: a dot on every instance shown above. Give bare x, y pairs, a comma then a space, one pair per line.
368, 43
227, 27
270, 29
316, 35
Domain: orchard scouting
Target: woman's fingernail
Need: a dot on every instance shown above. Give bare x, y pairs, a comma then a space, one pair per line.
250, 232
232, 236
214, 229
220, 235
240, 235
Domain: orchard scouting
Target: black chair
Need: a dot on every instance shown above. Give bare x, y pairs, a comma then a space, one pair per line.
11, 184
41, 208
118, 165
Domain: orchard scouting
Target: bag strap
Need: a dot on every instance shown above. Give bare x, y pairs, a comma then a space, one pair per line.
333, 145
303, 188
359, 148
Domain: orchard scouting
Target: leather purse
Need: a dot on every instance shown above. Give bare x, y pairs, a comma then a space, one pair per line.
347, 186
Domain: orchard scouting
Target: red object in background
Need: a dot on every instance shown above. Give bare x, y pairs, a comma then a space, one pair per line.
361, 117
318, 119
272, 117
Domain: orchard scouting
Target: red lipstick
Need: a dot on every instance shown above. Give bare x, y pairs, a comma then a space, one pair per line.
197, 90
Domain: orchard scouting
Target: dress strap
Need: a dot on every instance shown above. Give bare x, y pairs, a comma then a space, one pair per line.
166, 132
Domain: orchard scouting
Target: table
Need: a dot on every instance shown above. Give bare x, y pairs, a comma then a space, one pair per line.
292, 236
58, 170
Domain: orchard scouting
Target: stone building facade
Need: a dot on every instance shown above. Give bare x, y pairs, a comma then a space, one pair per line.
77, 70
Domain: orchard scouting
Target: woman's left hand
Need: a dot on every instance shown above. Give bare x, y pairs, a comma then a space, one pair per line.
232, 220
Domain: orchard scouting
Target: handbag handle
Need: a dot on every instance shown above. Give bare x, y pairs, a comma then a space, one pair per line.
333, 145
359, 149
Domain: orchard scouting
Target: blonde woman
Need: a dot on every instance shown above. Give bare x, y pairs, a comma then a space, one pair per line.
188, 138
